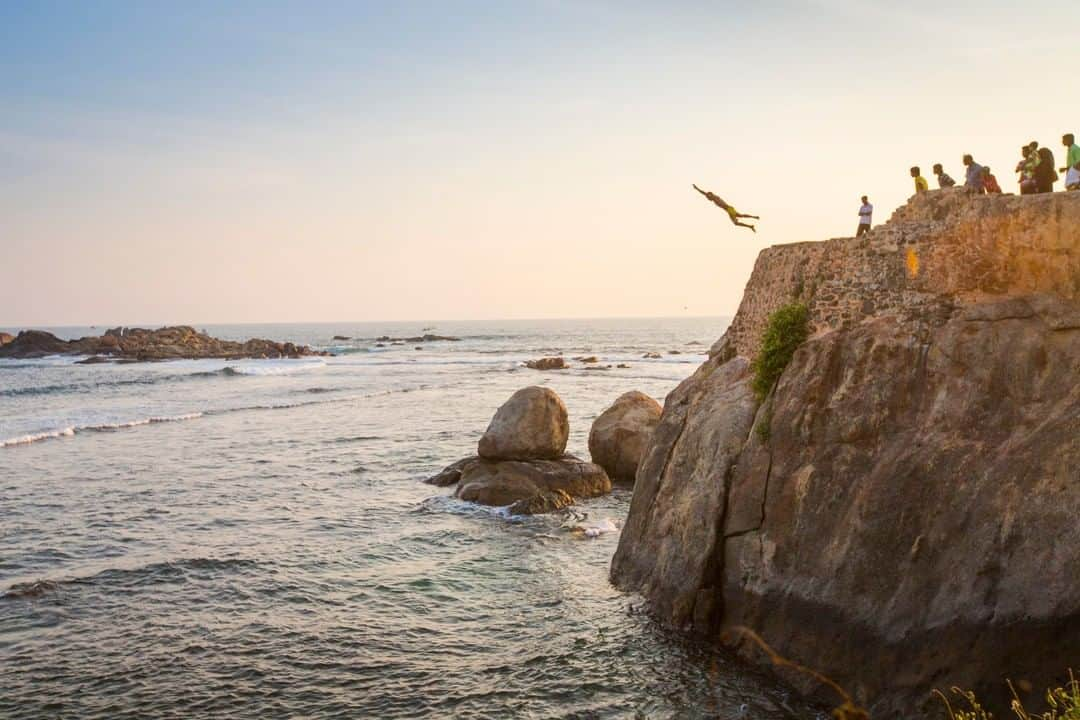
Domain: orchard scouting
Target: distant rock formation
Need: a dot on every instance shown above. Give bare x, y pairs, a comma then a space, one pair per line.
139, 344
619, 435
426, 337
900, 513
548, 363
521, 461
5, 338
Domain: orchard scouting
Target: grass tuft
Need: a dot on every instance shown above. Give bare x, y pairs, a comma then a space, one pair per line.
787, 330
1064, 704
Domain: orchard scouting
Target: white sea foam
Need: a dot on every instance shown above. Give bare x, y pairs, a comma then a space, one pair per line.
141, 421
274, 367
598, 528
34, 437
96, 427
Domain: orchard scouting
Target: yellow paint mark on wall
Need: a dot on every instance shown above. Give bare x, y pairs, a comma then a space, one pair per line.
912, 262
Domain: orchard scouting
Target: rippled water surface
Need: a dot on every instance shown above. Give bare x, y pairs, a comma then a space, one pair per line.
252, 539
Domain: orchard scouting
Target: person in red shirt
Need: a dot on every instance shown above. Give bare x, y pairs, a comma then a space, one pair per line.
990, 183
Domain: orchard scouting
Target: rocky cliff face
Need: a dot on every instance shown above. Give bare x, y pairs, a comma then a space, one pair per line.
911, 518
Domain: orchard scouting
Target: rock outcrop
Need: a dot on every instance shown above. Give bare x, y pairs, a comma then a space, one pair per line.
5, 338
521, 461
531, 425
619, 435
531, 486
901, 512
167, 343
34, 343
548, 363
451, 474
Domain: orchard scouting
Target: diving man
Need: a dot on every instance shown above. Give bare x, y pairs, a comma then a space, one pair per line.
732, 212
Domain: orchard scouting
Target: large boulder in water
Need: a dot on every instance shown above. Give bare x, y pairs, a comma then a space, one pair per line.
531, 486
521, 462
531, 425
5, 338
618, 437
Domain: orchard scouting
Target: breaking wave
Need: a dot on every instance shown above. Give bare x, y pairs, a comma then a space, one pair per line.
97, 427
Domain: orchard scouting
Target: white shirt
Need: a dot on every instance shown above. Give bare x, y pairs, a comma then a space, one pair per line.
1072, 177
864, 214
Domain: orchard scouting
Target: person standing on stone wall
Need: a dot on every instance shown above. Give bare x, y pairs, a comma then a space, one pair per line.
990, 183
921, 185
973, 179
866, 212
1072, 152
1026, 167
943, 179
1045, 174
1072, 177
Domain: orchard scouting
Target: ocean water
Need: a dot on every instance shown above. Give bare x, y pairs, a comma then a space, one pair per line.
253, 539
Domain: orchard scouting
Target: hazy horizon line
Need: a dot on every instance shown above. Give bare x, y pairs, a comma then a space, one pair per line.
46, 326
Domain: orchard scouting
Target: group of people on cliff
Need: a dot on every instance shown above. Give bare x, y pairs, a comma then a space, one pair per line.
1036, 171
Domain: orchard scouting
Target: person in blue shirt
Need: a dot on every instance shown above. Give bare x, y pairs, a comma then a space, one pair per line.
973, 180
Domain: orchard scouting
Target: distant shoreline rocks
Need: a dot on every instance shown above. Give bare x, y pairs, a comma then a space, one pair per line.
123, 344
426, 338
557, 362
547, 363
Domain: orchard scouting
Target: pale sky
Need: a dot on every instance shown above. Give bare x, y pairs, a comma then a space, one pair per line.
205, 162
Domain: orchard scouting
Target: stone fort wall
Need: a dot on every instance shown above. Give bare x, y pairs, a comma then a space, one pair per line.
942, 250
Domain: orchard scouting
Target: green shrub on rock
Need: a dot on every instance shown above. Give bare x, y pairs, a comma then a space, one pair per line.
786, 331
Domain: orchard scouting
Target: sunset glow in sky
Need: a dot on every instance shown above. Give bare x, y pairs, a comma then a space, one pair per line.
205, 162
